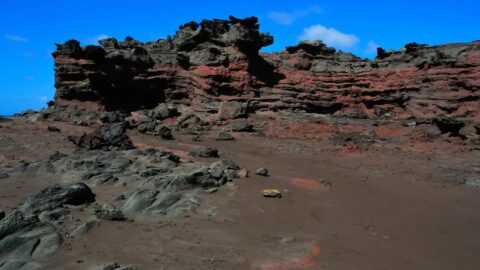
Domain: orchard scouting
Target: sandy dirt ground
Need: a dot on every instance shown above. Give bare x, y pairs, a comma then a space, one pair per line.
382, 208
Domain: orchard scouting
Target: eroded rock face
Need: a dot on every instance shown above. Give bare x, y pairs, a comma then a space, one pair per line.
205, 64
132, 75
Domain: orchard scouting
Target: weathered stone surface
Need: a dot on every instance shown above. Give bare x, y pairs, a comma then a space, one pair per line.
162, 111
15, 221
55, 196
240, 125
202, 151
107, 137
25, 242
214, 67
49, 216
231, 109
110, 212
225, 136
84, 228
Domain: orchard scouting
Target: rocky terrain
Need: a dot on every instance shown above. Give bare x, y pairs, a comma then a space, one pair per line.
198, 152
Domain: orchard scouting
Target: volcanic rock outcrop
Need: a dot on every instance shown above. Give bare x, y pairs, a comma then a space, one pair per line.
132, 75
30, 235
214, 60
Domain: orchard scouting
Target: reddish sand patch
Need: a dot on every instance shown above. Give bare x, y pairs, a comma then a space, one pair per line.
390, 131
307, 261
308, 184
170, 120
307, 130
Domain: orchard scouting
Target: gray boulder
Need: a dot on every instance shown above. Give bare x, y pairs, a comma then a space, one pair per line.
240, 125
205, 152
56, 196
225, 136
107, 137
162, 111
231, 110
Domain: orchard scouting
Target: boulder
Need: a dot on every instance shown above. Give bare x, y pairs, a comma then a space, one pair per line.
164, 132
205, 152
56, 196
162, 111
240, 125
224, 136
107, 137
231, 110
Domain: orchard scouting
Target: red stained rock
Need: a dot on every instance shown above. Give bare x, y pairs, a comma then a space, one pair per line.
423, 82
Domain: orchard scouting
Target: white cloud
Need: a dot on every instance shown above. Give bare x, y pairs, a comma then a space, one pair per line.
287, 18
43, 98
16, 38
330, 36
371, 48
29, 78
96, 38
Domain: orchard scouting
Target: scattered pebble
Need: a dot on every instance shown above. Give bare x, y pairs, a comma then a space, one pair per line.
272, 193
287, 240
262, 171
243, 173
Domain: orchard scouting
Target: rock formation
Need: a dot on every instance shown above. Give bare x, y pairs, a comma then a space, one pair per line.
205, 63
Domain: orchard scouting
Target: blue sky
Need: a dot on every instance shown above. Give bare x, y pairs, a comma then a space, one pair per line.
29, 30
